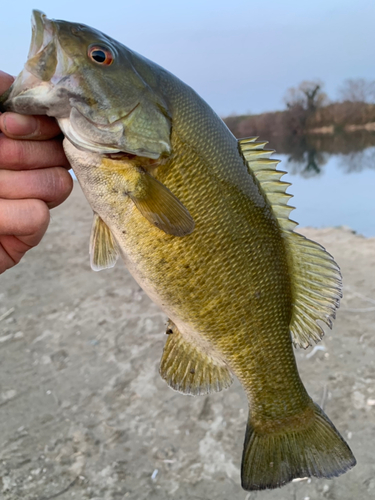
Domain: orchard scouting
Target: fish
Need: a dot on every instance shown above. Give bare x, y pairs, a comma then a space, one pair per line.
202, 222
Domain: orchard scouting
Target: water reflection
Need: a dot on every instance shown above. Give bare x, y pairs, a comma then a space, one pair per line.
307, 155
358, 161
308, 164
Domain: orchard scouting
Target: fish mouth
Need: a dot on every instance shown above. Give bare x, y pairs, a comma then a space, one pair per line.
36, 71
39, 23
32, 91
42, 58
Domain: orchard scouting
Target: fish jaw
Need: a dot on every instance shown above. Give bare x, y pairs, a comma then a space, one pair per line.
42, 57
39, 25
34, 91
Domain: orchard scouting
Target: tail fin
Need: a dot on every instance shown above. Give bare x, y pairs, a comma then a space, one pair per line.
271, 460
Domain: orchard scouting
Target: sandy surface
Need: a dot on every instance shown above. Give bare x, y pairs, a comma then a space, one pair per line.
84, 413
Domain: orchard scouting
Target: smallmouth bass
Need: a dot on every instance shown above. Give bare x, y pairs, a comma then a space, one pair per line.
202, 222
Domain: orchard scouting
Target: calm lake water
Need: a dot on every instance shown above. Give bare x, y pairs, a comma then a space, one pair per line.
340, 192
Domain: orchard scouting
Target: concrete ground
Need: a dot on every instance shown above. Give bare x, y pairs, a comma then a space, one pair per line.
84, 413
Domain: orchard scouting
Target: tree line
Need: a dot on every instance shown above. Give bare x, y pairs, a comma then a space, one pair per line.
309, 110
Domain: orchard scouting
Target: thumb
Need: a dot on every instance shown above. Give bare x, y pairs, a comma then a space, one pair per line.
5, 81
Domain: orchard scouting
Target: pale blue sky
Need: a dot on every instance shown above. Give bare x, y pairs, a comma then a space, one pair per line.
239, 55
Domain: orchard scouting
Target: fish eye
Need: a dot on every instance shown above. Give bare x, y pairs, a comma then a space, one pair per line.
100, 55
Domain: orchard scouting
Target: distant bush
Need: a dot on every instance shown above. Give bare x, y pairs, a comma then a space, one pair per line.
341, 114
357, 90
298, 121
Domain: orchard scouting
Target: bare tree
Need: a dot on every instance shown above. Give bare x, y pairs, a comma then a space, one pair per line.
357, 90
308, 96
302, 102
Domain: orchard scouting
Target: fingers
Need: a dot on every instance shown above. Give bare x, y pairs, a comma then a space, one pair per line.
24, 218
5, 81
11, 251
36, 128
28, 154
22, 226
24, 155
52, 185
33, 178
25, 127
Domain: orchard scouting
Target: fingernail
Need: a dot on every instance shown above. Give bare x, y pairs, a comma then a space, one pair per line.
20, 125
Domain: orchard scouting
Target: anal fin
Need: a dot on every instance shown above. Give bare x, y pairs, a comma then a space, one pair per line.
188, 370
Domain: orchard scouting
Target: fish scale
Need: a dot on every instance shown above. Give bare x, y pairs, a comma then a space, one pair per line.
229, 332
202, 222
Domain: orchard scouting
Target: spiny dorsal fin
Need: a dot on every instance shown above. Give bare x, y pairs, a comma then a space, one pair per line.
104, 251
188, 370
316, 278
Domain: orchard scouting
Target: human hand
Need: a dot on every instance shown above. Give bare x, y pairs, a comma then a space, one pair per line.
34, 177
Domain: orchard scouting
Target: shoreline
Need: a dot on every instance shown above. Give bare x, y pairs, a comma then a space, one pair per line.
330, 129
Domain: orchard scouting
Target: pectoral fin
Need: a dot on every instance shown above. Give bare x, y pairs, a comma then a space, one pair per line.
154, 200
104, 251
160, 207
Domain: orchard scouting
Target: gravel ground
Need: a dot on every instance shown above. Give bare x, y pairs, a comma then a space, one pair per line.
84, 413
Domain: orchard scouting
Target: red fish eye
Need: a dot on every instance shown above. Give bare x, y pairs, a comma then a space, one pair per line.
101, 55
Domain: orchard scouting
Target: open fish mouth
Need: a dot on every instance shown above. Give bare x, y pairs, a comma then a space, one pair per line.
30, 90
43, 31
42, 58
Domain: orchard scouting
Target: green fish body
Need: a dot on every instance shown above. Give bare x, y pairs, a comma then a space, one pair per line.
202, 222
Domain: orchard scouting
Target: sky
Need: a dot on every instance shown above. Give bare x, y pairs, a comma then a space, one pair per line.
241, 56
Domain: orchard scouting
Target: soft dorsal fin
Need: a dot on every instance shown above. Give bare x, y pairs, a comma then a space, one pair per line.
316, 278
188, 370
104, 251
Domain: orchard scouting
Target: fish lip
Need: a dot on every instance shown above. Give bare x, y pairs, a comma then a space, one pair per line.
43, 34
43, 31
37, 31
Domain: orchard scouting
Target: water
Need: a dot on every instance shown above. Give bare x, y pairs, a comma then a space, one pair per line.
340, 192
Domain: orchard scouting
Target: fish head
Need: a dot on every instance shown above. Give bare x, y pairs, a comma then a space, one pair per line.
105, 99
